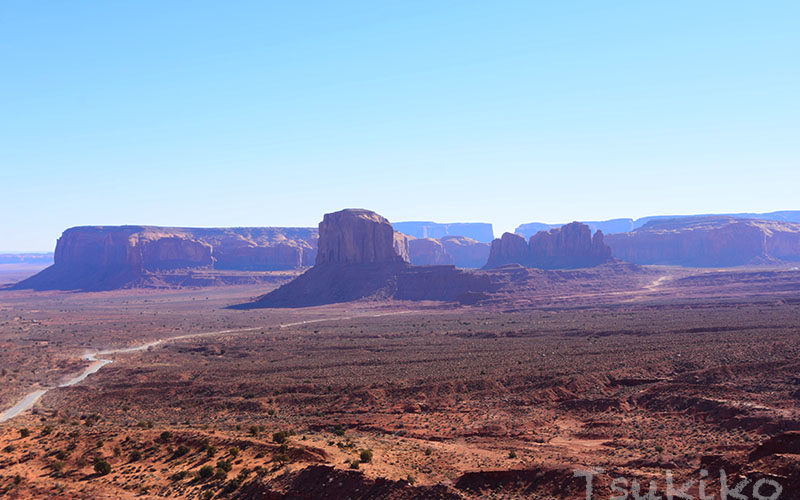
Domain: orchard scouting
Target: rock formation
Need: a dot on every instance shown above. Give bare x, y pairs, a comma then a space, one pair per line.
358, 258
508, 249
571, 246
613, 226
708, 242
356, 236
466, 252
101, 258
429, 252
478, 231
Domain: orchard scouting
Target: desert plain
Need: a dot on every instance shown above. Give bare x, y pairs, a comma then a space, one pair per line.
672, 370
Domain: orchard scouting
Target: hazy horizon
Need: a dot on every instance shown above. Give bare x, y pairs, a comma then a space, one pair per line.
263, 114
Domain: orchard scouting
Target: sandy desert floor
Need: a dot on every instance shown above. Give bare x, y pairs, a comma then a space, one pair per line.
685, 371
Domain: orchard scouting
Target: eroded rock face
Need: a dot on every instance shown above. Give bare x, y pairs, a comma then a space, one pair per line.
100, 258
356, 236
708, 242
568, 247
429, 252
508, 249
466, 252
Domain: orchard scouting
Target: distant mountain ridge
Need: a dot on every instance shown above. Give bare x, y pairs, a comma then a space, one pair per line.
612, 226
26, 258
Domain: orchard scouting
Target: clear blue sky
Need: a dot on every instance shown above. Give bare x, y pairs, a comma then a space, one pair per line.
272, 113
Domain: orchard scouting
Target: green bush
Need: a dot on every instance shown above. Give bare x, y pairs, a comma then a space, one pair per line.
166, 436
181, 451
211, 451
354, 464
205, 472
102, 467
280, 437
135, 456
366, 456
225, 465
234, 452
23, 433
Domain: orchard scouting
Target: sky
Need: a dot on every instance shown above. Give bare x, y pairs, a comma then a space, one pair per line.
192, 113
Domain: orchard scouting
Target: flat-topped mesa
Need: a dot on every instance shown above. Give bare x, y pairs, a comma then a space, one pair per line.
356, 236
108, 257
714, 241
568, 247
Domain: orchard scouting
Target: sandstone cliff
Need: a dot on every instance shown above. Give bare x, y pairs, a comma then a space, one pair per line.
571, 246
429, 252
568, 247
101, 258
356, 236
358, 259
466, 252
708, 242
508, 249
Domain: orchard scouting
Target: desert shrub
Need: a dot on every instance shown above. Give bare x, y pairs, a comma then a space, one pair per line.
205, 472
181, 451
166, 436
281, 458
211, 451
354, 464
58, 466
338, 430
47, 430
225, 465
512, 454
117, 451
254, 430
99, 443
102, 467
221, 474
280, 437
10, 448
178, 476
23, 433
244, 473
234, 452
135, 456
366, 456
428, 451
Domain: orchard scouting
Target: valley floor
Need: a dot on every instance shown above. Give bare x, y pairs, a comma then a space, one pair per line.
684, 371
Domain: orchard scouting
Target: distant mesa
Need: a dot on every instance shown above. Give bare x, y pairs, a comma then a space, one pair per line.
466, 252
105, 258
478, 231
429, 252
568, 247
713, 241
612, 226
32, 258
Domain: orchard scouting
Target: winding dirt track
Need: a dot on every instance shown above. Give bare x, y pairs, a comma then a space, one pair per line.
96, 363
